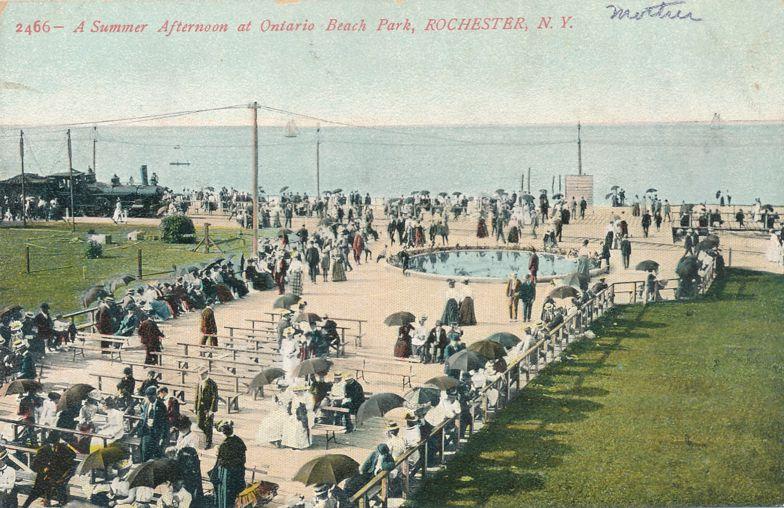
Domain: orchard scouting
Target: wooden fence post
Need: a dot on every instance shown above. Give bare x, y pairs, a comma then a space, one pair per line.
139, 264
27, 259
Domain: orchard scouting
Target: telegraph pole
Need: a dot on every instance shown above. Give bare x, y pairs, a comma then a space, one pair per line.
255, 179
71, 181
318, 161
95, 141
579, 151
24, 194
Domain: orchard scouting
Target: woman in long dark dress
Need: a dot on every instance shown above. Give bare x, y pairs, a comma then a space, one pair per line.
403, 344
466, 308
451, 311
228, 475
481, 228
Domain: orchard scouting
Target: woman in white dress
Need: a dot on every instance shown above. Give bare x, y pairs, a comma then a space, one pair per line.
296, 433
289, 349
773, 254
113, 429
272, 426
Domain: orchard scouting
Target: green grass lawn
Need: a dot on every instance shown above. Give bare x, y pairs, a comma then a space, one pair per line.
61, 272
673, 404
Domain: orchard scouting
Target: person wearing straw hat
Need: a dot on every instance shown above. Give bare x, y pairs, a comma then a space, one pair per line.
323, 497
27, 362
395, 442
206, 404
8, 498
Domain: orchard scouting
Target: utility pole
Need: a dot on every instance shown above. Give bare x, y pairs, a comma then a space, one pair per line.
579, 151
522, 183
255, 179
95, 141
24, 194
71, 181
318, 161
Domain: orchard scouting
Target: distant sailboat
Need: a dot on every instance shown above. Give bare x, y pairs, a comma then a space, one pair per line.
291, 129
716, 122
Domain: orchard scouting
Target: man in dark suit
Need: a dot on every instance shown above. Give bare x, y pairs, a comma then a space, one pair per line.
513, 293
153, 429
206, 404
437, 341
312, 257
626, 251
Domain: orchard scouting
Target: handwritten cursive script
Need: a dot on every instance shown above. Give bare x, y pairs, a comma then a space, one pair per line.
664, 10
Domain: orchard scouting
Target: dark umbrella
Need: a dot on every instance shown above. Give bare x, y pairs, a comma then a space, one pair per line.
93, 294
378, 405
153, 473
614, 187
330, 469
647, 265
557, 196
500, 191
307, 316
23, 386
688, 207
312, 367
265, 377
706, 245
767, 207
528, 198
443, 194
399, 319
408, 200
337, 191
506, 339
456, 193
488, 348
564, 292
285, 301
443, 382
284, 232
74, 396
423, 395
103, 458
9, 309
687, 266
427, 192
465, 360
284, 189
651, 190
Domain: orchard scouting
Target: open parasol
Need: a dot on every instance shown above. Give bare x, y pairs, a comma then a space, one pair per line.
378, 405
20, 386
312, 367
564, 292
153, 473
284, 189
489, 349
337, 191
399, 319
94, 294
285, 301
651, 190
103, 458
74, 396
330, 469
506, 339
427, 394
265, 377
465, 360
443, 382
647, 265
310, 317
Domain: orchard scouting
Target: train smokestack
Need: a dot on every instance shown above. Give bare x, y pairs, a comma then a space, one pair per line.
144, 175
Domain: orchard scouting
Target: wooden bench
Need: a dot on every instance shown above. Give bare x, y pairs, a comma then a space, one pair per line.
113, 352
363, 368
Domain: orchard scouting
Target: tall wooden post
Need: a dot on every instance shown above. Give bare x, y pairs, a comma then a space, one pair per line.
579, 151
24, 193
71, 181
27, 258
318, 161
95, 141
522, 183
255, 180
139, 264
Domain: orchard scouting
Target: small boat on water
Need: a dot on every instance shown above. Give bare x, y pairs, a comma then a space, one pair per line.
291, 129
178, 163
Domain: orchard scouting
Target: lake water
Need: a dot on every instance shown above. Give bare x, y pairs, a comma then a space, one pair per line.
684, 161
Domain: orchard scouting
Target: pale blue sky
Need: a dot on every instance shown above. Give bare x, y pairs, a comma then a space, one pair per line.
600, 71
